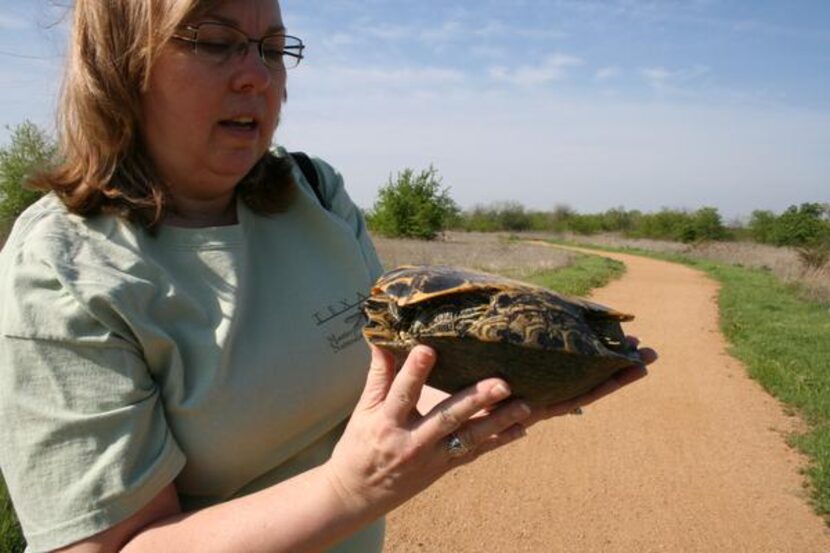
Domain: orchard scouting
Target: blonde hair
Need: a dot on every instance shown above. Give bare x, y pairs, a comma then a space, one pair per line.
104, 166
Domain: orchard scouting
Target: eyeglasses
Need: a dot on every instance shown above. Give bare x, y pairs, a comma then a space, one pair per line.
219, 42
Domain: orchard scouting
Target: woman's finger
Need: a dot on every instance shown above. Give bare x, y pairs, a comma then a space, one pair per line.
647, 355
454, 411
478, 431
510, 434
406, 387
379, 379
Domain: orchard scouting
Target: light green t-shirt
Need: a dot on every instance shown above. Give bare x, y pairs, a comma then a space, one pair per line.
224, 359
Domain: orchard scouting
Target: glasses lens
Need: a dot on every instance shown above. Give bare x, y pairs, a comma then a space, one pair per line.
282, 51
219, 42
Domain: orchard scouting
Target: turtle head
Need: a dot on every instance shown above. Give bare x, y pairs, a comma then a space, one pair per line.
383, 319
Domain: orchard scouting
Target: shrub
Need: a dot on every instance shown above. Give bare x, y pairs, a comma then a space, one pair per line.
667, 224
706, 224
618, 220
762, 226
413, 206
502, 216
800, 226
30, 150
816, 253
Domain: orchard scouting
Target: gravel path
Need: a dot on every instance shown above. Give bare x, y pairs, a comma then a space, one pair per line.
691, 459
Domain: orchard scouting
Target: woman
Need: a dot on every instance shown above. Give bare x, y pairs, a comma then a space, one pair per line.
167, 378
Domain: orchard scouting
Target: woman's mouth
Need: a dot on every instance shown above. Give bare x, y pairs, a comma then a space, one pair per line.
240, 123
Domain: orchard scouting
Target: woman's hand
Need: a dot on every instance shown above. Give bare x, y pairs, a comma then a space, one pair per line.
621, 378
389, 452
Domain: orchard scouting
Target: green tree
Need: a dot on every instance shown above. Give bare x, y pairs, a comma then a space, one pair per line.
478, 219
30, 150
413, 206
561, 217
511, 216
800, 226
667, 224
587, 224
501, 216
762, 226
706, 224
617, 220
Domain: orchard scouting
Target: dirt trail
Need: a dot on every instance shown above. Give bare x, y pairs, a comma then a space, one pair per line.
691, 459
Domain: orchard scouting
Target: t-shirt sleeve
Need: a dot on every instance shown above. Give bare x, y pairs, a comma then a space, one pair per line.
332, 186
83, 442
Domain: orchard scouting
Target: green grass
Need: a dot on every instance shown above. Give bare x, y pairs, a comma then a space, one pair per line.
11, 540
784, 341
582, 276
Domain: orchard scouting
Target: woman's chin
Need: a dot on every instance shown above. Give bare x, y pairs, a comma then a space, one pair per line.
236, 165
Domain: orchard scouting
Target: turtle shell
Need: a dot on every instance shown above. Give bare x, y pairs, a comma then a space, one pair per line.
547, 346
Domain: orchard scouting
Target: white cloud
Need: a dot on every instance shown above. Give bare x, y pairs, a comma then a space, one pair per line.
491, 28
384, 31
338, 40
447, 31
540, 34
553, 68
656, 76
13, 22
753, 26
663, 80
488, 52
606, 73
361, 82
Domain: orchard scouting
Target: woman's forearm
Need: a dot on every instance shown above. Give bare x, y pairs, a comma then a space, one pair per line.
304, 513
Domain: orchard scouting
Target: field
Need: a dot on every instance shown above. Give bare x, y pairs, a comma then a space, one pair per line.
487, 252
783, 263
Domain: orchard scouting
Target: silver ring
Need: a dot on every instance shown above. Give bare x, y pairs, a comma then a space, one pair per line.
576, 411
456, 447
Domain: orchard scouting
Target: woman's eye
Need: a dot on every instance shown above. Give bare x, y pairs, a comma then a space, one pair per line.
272, 54
215, 48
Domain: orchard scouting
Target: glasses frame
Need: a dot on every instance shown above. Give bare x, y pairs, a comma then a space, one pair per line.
293, 51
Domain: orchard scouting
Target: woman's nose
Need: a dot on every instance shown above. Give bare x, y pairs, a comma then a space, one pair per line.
251, 71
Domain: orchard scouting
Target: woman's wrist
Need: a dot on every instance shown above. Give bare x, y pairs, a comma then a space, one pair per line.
350, 504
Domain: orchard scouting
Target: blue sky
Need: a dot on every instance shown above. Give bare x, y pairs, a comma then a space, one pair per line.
591, 104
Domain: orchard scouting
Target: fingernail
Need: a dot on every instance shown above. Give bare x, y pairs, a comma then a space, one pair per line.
500, 391
425, 355
523, 410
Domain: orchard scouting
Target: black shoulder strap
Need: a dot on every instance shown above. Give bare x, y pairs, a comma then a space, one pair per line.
310, 174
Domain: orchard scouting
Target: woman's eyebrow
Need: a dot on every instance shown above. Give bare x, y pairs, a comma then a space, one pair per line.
273, 29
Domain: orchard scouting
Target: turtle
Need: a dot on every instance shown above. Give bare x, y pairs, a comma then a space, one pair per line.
549, 347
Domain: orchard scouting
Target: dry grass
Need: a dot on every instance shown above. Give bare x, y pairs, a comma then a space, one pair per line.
784, 263
481, 251
494, 252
